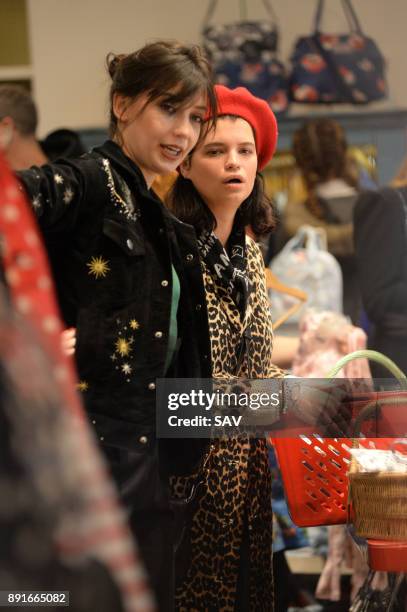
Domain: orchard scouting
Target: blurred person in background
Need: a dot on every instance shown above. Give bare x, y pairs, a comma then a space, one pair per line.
320, 151
18, 132
18, 128
381, 254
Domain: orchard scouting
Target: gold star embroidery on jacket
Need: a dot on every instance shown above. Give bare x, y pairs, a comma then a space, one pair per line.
68, 195
126, 368
82, 386
123, 347
134, 324
37, 201
98, 267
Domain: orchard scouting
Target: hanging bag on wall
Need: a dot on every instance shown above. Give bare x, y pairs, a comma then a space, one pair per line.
244, 54
337, 68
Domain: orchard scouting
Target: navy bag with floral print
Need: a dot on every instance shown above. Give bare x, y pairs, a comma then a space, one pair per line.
244, 54
337, 68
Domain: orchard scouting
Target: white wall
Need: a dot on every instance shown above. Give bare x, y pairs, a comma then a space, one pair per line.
70, 39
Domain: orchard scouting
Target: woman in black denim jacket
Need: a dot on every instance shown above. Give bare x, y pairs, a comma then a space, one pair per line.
129, 279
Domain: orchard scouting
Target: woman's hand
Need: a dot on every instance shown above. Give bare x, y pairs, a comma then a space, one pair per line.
68, 341
323, 404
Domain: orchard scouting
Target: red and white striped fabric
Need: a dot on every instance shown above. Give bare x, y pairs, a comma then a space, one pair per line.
101, 532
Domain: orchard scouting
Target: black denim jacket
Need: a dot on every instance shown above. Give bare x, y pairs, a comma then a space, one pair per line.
111, 245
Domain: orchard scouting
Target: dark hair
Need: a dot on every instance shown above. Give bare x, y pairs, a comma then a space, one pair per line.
62, 143
187, 204
320, 151
319, 148
158, 68
17, 103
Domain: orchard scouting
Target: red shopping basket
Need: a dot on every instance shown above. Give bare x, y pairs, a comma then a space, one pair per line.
314, 469
314, 472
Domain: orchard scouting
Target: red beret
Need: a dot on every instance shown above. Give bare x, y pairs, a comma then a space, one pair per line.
257, 112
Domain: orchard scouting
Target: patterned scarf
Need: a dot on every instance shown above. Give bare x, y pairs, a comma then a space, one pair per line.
228, 265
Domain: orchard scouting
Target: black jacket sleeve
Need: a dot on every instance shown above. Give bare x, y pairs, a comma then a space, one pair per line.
58, 191
380, 244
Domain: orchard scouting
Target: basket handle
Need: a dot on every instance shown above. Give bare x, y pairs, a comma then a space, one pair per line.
372, 356
370, 410
386, 362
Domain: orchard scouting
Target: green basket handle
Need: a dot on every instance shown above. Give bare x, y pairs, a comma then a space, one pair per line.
371, 407
372, 356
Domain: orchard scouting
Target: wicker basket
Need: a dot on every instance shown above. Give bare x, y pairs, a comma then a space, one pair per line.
378, 501
379, 504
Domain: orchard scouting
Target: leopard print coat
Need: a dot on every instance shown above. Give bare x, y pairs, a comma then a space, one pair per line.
238, 488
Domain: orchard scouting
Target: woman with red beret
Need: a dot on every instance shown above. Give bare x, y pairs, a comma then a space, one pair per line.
220, 192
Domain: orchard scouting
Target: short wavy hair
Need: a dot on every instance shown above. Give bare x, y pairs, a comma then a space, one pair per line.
319, 148
17, 103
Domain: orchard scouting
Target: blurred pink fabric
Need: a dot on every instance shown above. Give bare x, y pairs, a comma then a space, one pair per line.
325, 337
97, 527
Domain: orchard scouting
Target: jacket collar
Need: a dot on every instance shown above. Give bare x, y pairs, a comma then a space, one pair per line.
134, 177
125, 166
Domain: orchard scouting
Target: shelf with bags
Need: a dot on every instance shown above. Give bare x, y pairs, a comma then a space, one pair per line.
340, 75
356, 119
380, 136
384, 131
